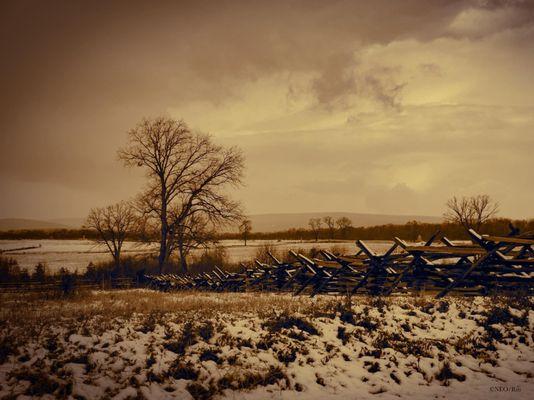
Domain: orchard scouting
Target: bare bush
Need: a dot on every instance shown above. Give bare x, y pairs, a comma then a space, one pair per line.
245, 228
210, 258
344, 224
262, 253
330, 225
112, 224
471, 212
315, 226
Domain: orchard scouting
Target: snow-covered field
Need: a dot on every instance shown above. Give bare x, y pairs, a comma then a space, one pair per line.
77, 254
141, 344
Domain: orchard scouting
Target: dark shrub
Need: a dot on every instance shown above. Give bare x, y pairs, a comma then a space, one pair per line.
287, 356
342, 334
40, 382
179, 370
7, 347
210, 355
206, 330
199, 392
286, 321
446, 374
375, 367
186, 339
443, 306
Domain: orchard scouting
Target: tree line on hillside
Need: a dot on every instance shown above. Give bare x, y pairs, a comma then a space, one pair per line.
476, 212
410, 231
51, 234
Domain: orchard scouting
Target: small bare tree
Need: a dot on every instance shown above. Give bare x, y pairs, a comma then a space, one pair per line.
192, 233
471, 212
344, 224
112, 223
187, 175
245, 228
330, 225
315, 226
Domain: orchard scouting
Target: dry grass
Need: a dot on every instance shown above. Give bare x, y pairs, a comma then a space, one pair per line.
126, 303
35, 308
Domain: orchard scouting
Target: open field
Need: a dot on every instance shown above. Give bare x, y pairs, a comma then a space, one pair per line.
77, 254
145, 344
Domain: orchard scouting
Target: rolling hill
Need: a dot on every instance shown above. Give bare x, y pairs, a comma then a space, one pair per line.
260, 222
7, 224
279, 222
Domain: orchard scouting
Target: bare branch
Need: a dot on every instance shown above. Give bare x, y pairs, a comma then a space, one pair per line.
113, 223
187, 174
471, 212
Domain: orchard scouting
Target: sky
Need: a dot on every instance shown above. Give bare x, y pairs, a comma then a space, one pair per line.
386, 107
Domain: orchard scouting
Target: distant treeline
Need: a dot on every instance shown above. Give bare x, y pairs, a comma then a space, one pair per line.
412, 230
59, 234
48, 234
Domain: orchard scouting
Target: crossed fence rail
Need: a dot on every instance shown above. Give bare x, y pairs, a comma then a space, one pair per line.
490, 264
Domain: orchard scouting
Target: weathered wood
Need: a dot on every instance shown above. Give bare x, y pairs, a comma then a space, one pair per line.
491, 264
507, 239
461, 251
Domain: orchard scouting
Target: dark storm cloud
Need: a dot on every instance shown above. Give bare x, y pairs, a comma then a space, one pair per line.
77, 74
101, 66
341, 79
94, 54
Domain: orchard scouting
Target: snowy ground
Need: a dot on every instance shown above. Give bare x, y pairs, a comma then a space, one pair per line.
143, 344
77, 254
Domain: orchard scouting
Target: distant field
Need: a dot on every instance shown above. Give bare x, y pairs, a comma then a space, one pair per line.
77, 254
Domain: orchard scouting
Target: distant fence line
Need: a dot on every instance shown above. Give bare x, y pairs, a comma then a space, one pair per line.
67, 285
19, 249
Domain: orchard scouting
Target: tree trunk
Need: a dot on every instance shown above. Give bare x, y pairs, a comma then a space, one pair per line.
164, 232
117, 259
183, 258
162, 247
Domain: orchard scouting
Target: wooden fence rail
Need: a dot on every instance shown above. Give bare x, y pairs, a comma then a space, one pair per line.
491, 264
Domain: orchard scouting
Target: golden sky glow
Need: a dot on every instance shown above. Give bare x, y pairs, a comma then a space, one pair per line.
380, 107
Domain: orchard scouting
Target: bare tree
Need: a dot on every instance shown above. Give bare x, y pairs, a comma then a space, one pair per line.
331, 225
343, 224
187, 175
112, 224
471, 212
315, 226
245, 228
